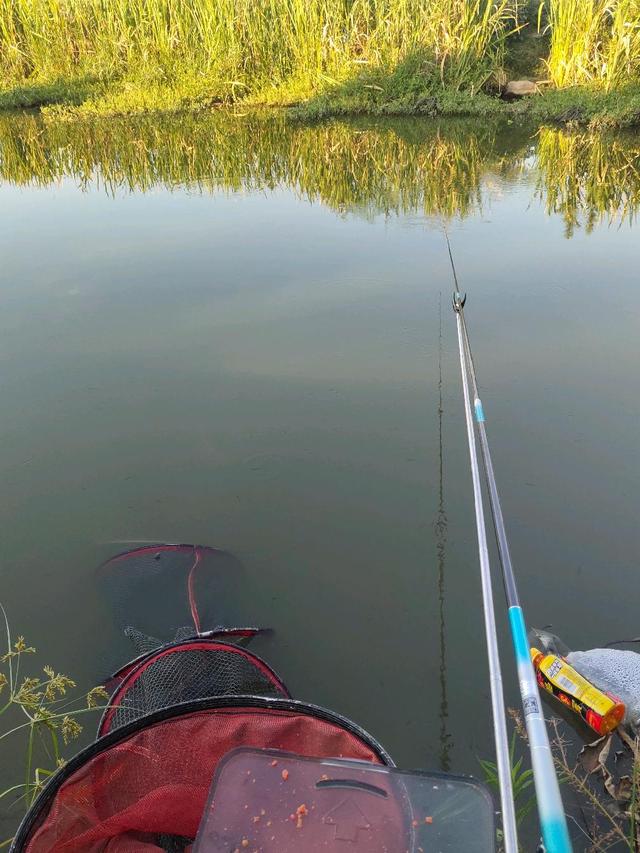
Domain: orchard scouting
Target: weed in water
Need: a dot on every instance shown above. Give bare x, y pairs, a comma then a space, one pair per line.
51, 718
521, 781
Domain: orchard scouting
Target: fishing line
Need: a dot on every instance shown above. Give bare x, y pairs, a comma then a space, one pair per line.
441, 524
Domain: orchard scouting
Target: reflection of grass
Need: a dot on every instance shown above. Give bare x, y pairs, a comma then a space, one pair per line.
347, 166
381, 166
270, 50
588, 175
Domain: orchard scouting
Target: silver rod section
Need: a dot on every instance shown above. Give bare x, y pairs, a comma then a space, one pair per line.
495, 676
510, 587
553, 822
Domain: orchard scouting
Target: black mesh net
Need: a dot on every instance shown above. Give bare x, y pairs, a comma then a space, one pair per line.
194, 669
158, 588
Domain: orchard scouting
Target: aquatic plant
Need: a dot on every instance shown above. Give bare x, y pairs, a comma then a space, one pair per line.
230, 49
604, 777
36, 707
594, 42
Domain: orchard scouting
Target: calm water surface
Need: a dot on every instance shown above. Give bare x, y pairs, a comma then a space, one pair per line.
235, 332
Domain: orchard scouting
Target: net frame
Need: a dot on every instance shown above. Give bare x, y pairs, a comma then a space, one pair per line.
242, 706
132, 556
124, 681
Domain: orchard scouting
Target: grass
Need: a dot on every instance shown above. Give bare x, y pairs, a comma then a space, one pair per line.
141, 53
36, 708
593, 42
324, 57
405, 92
599, 785
521, 781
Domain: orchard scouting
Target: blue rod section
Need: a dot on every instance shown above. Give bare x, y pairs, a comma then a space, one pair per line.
553, 823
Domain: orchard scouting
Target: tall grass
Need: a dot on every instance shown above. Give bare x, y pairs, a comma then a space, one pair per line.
236, 47
594, 42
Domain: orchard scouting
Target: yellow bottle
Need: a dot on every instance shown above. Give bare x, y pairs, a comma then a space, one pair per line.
601, 711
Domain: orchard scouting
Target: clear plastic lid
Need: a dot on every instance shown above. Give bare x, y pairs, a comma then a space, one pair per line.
276, 802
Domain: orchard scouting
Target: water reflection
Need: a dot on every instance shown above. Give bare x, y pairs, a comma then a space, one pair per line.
589, 177
368, 167
347, 166
441, 527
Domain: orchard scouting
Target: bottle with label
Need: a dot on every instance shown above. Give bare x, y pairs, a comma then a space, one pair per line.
601, 711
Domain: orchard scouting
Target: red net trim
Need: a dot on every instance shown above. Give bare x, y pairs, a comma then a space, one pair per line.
155, 782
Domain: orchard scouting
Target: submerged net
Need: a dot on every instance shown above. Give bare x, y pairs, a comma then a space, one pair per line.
172, 594
182, 672
156, 589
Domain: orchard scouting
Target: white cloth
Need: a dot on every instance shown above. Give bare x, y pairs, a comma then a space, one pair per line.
615, 671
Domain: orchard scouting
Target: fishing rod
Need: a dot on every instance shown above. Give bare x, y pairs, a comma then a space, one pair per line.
553, 822
503, 758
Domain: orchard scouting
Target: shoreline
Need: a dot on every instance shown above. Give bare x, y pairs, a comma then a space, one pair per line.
372, 96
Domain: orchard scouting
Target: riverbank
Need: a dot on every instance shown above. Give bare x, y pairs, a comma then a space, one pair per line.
581, 106
321, 58
402, 93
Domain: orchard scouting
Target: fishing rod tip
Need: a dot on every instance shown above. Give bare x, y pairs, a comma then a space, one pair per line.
459, 300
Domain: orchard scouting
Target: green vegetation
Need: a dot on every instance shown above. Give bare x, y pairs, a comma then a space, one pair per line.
404, 92
128, 55
594, 42
600, 785
521, 781
36, 708
326, 57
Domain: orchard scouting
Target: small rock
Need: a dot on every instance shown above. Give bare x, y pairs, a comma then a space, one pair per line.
518, 88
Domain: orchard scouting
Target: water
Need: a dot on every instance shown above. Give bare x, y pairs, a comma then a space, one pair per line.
231, 331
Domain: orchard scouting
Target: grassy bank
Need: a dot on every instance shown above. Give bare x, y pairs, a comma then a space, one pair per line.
406, 92
323, 57
112, 53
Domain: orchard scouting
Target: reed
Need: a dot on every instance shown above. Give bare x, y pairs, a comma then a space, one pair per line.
594, 42
236, 48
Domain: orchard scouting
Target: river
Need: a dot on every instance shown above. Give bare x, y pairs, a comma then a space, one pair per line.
236, 331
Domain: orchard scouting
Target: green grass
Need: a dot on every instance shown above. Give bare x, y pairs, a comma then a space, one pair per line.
141, 52
406, 93
325, 58
595, 42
